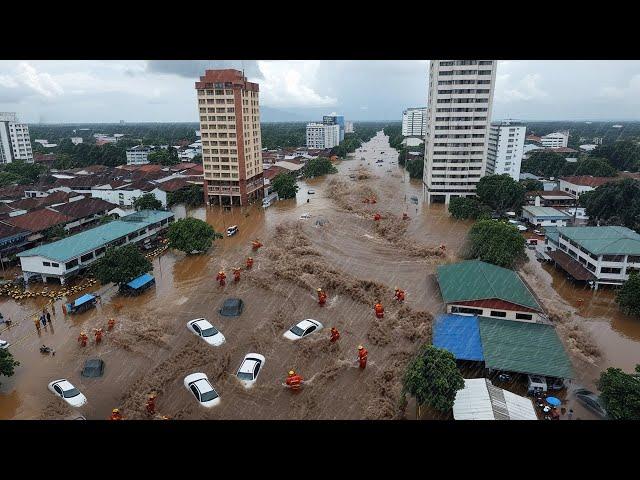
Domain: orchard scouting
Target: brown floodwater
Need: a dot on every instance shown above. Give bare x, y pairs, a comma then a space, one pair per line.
150, 348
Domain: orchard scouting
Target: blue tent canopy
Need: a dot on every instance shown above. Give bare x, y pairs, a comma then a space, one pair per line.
459, 334
83, 299
140, 281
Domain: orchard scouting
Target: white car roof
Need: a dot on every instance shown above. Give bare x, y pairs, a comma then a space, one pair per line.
304, 324
65, 385
232, 226
203, 324
203, 385
248, 366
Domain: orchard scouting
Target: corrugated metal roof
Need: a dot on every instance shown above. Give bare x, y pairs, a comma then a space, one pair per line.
524, 347
477, 280
549, 212
140, 281
460, 335
74, 246
609, 240
481, 400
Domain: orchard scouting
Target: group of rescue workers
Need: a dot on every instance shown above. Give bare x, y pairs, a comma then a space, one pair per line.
83, 338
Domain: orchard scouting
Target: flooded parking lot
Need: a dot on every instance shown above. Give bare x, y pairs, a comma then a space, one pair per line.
356, 260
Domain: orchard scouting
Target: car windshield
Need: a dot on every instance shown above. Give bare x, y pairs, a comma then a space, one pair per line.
74, 392
296, 330
208, 396
209, 332
245, 376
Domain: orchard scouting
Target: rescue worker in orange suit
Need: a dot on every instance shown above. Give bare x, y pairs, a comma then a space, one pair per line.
151, 404
405, 216
294, 381
83, 339
236, 274
399, 295
379, 309
221, 278
377, 217
110, 324
322, 297
256, 244
366, 200
98, 334
115, 414
249, 263
335, 335
443, 247
373, 200
362, 356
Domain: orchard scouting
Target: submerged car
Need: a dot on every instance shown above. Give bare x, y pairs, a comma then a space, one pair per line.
4, 344
591, 401
232, 307
232, 230
94, 367
199, 385
311, 191
250, 369
206, 331
302, 329
65, 390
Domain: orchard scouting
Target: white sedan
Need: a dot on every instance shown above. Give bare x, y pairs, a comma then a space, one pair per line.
64, 389
250, 369
199, 385
4, 344
302, 329
210, 334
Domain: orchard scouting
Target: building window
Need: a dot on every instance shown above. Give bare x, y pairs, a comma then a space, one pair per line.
55, 264
474, 311
71, 264
610, 270
495, 313
524, 316
46, 264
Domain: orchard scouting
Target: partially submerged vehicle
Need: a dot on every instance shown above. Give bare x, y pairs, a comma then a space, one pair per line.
138, 285
232, 307
210, 334
269, 200
591, 401
232, 230
94, 367
250, 369
65, 390
198, 384
302, 329
81, 304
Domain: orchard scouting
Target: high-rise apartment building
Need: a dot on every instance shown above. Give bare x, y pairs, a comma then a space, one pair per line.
414, 122
334, 119
458, 116
506, 148
348, 127
231, 141
320, 135
15, 142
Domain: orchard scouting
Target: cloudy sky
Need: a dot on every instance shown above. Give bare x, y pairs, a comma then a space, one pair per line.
163, 91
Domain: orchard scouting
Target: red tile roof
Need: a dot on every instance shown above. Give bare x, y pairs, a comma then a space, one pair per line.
38, 220
10, 230
561, 150
84, 208
588, 180
274, 171
173, 185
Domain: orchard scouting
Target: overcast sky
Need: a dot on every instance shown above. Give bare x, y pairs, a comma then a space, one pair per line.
163, 90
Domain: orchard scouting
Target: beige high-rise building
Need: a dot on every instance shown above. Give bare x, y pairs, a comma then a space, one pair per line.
458, 120
231, 141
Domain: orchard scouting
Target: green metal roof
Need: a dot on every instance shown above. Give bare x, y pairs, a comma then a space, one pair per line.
83, 242
549, 212
524, 347
552, 233
477, 280
610, 240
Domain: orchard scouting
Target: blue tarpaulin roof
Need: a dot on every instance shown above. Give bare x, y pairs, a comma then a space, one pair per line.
83, 299
459, 334
140, 281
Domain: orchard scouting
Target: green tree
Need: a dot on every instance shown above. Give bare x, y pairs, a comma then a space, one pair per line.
64, 161
7, 178
628, 297
623, 154
496, 242
620, 393
26, 172
147, 201
54, 233
433, 378
500, 192
7, 363
614, 203
191, 235
597, 167
317, 167
464, 207
415, 168
192, 196
531, 185
121, 265
164, 157
285, 186
197, 159
543, 163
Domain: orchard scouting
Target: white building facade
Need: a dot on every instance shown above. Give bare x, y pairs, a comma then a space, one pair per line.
458, 117
321, 136
414, 122
138, 155
15, 142
555, 140
506, 148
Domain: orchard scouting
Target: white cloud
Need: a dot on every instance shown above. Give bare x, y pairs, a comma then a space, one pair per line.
42, 83
290, 84
629, 93
527, 88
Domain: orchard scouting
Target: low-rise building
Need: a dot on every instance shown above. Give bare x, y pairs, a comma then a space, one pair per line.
577, 185
76, 140
553, 198
138, 155
65, 258
544, 216
555, 139
600, 255
474, 287
481, 400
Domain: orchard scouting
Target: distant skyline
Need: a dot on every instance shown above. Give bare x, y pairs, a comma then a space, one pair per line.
88, 91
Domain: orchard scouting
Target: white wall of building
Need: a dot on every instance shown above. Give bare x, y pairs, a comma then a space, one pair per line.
138, 155
15, 141
573, 189
506, 148
555, 140
414, 122
322, 136
125, 198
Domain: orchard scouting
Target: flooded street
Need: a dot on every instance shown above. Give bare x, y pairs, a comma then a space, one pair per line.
356, 260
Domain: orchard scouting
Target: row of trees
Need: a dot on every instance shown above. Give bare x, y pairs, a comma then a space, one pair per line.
20, 172
494, 193
552, 164
614, 203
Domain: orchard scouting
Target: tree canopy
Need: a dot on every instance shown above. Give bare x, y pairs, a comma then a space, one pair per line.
284, 184
500, 192
531, 184
415, 167
192, 196
191, 235
20, 172
614, 203
7, 363
553, 164
147, 201
462, 208
628, 297
623, 155
164, 157
121, 265
433, 378
317, 167
620, 393
496, 242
